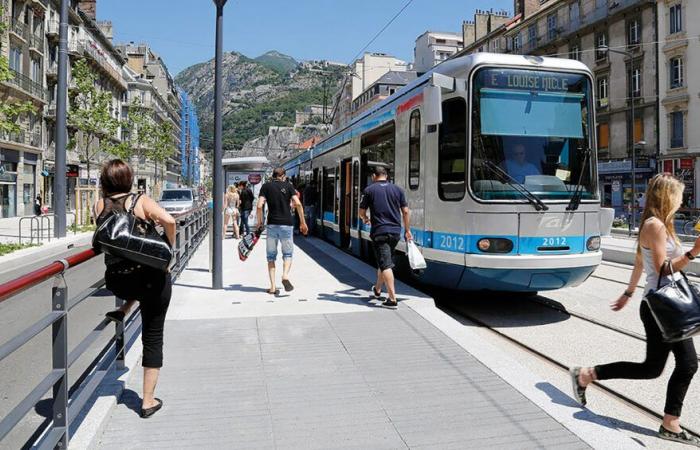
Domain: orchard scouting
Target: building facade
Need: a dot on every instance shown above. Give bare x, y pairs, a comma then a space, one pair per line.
189, 141
679, 93
23, 45
385, 86
434, 47
579, 29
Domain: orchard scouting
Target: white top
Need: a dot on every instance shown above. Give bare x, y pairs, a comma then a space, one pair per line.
673, 250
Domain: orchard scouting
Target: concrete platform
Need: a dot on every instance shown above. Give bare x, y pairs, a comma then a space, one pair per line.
623, 250
323, 367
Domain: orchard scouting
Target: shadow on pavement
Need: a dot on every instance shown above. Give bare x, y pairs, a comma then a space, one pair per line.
131, 400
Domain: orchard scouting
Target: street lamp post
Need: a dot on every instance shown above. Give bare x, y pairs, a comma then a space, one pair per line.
61, 137
633, 152
218, 197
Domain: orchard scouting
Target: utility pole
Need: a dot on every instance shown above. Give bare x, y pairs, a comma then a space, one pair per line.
217, 281
61, 138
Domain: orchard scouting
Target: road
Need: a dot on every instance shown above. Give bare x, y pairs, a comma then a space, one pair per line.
24, 369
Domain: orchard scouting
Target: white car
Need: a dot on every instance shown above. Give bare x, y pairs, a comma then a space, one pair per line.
177, 201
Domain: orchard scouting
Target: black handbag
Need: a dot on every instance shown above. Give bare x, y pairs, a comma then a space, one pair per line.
675, 307
126, 236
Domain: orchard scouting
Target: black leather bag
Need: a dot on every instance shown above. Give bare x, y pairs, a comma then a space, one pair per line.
675, 307
129, 237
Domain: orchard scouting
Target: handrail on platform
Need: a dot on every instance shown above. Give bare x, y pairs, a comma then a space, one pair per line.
192, 227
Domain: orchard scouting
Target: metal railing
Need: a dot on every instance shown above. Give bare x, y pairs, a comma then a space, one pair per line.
67, 402
41, 227
28, 85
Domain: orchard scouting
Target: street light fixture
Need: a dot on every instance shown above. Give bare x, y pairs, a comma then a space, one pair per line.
633, 219
218, 194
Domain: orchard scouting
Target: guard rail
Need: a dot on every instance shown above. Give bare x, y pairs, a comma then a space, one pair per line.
67, 403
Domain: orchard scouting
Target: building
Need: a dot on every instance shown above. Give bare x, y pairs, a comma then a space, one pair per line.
23, 45
433, 47
312, 114
484, 33
385, 86
364, 72
146, 63
679, 93
577, 29
189, 142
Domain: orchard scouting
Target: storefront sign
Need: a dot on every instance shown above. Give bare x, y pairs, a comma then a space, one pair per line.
686, 163
72, 171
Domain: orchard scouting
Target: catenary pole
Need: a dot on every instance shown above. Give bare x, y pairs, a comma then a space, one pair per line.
218, 197
61, 138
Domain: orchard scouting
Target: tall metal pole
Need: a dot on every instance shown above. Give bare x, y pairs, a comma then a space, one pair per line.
217, 281
634, 168
61, 138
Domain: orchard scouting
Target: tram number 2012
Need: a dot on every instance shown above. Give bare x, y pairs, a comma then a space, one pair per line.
452, 242
554, 242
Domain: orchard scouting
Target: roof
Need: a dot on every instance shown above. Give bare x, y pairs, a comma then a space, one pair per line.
246, 162
307, 144
443, 34
396, 77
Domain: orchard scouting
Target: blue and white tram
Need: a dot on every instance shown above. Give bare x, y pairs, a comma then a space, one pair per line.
495, 153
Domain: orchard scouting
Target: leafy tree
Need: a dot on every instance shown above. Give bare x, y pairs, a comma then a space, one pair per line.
90, 118
139, 127
10, 110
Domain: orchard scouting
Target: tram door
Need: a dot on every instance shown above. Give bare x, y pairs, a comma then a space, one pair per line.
346, 203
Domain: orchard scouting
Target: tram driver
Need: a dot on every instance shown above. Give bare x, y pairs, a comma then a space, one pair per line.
517, 165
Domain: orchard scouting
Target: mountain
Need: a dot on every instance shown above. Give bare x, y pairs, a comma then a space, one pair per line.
257, 96
279, 62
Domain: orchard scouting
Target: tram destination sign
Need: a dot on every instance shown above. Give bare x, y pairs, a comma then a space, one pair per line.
530, 80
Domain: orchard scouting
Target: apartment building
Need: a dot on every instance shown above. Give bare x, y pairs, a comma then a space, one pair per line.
679, 93
146, 63
577, 29
23, 45
385, 86
434, 47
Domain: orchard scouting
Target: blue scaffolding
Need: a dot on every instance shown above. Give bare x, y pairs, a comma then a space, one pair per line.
189, 146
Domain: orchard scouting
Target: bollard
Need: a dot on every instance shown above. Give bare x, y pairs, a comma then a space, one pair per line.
59, 350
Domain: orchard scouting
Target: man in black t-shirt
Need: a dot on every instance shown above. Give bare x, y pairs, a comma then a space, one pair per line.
387, 205
247, 198
279, 194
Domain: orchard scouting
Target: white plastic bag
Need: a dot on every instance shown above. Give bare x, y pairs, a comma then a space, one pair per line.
415, 259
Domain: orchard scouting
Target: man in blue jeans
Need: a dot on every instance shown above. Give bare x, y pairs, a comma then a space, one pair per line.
387, 205
279, 194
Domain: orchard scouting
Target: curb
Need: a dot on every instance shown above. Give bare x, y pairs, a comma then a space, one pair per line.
586, 425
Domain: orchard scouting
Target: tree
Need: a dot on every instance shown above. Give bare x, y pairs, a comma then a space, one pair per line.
10, 110
163, 143
90, 118
139, 128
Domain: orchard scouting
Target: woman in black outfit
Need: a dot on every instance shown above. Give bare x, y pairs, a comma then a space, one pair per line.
129, 280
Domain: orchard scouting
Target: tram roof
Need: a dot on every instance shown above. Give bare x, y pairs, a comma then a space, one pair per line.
452, 68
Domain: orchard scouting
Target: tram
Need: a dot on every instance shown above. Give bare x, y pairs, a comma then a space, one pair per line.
496, 156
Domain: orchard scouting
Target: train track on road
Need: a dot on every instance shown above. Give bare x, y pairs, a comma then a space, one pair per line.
557, 363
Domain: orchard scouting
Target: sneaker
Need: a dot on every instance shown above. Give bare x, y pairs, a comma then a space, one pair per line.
390, 304
375, 293
115, 316
682, 437
579, 391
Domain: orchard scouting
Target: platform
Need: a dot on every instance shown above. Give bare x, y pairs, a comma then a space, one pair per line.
324, 367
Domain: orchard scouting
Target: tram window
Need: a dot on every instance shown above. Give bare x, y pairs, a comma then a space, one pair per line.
414, 150
328, 192
452, 150
378, 149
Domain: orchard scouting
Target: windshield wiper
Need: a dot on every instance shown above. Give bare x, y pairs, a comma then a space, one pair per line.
578, 193
512, 182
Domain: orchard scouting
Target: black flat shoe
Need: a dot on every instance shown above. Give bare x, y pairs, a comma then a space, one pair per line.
682, 437
148, 412
287, 285
116, 316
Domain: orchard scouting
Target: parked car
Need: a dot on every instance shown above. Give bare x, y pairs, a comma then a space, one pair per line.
177, 200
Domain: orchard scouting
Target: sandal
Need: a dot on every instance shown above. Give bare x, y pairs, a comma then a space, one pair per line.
287, 285
579, 391
275, 292
148, 412
683, 437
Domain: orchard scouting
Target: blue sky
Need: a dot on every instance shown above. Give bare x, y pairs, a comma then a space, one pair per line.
183, 34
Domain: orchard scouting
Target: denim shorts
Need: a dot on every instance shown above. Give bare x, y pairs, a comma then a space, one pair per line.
282, 234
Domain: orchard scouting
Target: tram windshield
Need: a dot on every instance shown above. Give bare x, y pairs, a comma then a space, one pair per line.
535, 126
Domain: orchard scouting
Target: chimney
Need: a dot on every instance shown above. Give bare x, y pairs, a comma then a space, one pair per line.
526, 7
89, 7
107, 29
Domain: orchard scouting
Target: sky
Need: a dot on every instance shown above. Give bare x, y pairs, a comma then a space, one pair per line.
182, 31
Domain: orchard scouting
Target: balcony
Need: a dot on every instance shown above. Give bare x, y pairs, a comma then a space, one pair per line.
18, 29
35, 139
36, 43
52, 29
42, 3
50, 110
94, 53
52, 71
28, 85
22, 137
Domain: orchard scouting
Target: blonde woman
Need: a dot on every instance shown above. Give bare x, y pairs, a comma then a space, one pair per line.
657, 244
231, 203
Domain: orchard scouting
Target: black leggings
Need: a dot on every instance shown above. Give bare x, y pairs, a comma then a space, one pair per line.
153, 289
653, 365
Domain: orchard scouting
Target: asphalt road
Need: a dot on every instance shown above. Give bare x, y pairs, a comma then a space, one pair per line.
24, 369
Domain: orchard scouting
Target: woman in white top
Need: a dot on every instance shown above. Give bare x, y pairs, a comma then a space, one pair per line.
657, 244
231, 203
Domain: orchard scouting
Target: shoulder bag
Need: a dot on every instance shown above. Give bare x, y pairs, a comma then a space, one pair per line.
127, 236
675, 306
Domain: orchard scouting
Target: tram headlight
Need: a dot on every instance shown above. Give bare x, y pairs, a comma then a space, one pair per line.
593, 244
495, 245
